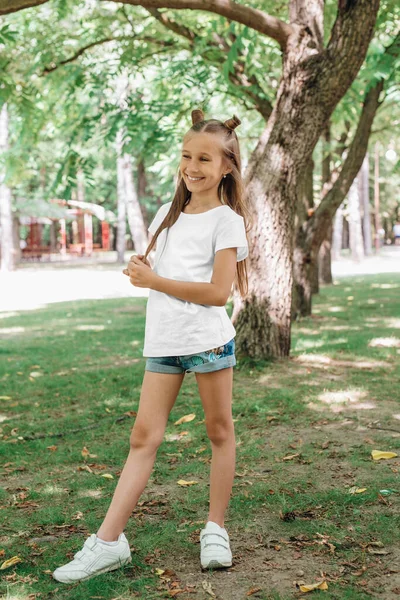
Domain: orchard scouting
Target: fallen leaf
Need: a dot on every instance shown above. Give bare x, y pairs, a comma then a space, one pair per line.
206, 585
5, 398
378, 454
290, 457
356, 490
52, 448
185, 419
10, 562
85, 468
183, 482
107, 476
253, 590
321, 585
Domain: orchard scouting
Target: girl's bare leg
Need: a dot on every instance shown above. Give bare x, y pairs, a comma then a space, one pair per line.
215, 390
158, 395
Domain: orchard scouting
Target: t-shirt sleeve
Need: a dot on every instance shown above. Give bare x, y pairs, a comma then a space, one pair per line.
232, 234
159, 218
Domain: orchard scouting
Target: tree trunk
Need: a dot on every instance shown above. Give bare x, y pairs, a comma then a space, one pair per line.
356, 241
16, 238
121, 210
8, 252
337, 234
377, 219
324, 254
364, 200
301, 300
135, 216
324, 257
312, 84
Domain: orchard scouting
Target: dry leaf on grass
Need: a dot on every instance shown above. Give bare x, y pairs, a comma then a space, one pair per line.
253, 590
185, 419
379, 454
320, 585
356, 490
10, 562
183, 482
207, 587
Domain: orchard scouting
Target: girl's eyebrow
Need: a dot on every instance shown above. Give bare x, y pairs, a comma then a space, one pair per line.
199, 152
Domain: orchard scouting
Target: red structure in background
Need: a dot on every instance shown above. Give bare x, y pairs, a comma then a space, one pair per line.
81, 214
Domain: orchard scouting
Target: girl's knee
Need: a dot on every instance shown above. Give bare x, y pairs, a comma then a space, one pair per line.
144, 437
219, 433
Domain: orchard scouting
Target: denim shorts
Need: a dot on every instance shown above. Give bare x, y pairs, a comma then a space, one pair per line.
203, 362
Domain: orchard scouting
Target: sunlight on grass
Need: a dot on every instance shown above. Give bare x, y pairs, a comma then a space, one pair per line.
339, 328
389, 342
307, 344
90, 327
385, 286
6, 315
345, 397
90, 493
304, 344
12, 330
322, 360
392, 323
52, 489
336, 308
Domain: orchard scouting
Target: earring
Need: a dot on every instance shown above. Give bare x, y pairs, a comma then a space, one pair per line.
224, 176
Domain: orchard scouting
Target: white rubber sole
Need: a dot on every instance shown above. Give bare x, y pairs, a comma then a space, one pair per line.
121, 563
212, 562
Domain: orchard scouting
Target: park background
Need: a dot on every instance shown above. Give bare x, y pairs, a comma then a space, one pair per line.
95, 98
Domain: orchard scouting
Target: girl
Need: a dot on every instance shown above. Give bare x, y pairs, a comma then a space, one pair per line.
187, 330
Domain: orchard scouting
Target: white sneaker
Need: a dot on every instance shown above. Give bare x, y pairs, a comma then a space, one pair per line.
93, 559
215, 549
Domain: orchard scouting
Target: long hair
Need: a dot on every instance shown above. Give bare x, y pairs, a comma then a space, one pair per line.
230, 189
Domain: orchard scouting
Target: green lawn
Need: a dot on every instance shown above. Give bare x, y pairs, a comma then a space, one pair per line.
70, 378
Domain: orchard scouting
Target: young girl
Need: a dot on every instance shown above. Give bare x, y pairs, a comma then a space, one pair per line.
200, 252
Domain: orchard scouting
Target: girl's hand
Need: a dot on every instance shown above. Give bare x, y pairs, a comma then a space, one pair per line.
139, 272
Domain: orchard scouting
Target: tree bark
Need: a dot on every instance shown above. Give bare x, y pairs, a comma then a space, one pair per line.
121, 209
135, 216
325, 258
337, 234
364, 199
324, 271
356, 241
8, 251
377, 218
302, 277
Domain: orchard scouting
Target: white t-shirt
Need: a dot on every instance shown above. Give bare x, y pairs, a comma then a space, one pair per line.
185, 252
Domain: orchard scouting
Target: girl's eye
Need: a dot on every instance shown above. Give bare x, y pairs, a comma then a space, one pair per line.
186, 156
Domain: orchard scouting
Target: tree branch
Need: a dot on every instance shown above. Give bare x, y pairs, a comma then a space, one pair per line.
98, 43
251, 17
10, 6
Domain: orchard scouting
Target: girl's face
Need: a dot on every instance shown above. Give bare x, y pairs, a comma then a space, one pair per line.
202, 160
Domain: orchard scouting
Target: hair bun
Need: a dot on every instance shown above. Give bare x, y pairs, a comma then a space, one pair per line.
232, 123
197, 116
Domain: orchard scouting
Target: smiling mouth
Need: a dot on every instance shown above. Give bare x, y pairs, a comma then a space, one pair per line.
194, 179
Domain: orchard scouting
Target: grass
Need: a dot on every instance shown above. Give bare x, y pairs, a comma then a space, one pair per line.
71, 377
